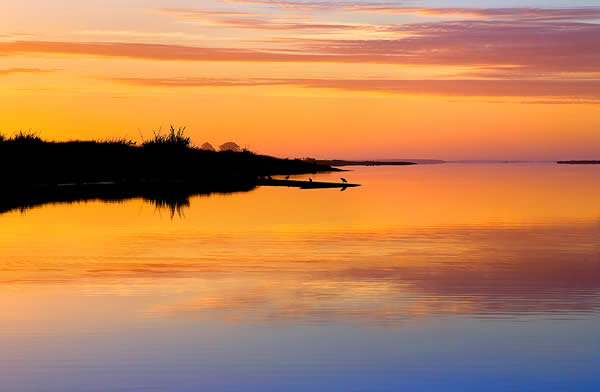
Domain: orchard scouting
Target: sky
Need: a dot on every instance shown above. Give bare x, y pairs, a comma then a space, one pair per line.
369, 79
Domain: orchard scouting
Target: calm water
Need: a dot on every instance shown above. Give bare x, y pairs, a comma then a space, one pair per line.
445, 277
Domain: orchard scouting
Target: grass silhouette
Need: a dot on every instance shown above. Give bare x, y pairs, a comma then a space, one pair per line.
174, 138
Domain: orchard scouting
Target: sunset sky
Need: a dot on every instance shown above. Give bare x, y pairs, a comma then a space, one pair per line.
447, 79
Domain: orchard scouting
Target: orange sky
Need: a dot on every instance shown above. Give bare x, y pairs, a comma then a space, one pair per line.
328, 79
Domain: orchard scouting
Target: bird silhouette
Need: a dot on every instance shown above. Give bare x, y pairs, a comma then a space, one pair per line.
287, 177
343, 179
269, 177
309, 179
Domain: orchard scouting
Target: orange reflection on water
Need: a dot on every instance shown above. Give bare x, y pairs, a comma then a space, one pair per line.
478, 240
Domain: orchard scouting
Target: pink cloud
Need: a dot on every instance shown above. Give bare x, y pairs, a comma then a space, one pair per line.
400, 8
516, 13
311, 5
565, 46
541, 48
256, 21
198, 13
149, 51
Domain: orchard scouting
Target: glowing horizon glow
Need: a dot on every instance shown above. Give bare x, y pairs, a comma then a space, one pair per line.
329, 79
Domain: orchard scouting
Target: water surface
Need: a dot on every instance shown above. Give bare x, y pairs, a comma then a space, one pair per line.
434, 277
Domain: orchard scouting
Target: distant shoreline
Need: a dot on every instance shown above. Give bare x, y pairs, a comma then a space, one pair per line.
578, 162
339, 162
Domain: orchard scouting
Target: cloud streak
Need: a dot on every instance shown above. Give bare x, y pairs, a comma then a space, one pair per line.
539, 48
10, 71
312, 5
400, 8
572, 90
516, 13
568, 46
256, 21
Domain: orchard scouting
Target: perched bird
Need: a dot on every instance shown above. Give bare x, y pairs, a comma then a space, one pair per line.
287, 177
270, 178
343, 179
309, 179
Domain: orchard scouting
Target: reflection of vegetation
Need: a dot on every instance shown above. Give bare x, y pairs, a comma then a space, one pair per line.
174, 200
174, 204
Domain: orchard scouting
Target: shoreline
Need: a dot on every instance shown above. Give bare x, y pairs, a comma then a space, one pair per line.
341, 162
578, 162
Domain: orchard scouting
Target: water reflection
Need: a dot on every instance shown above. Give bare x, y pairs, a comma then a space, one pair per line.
255, 262
173, 198
490, 269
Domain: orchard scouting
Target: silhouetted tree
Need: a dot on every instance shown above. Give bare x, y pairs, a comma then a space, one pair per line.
230, 146
208, 147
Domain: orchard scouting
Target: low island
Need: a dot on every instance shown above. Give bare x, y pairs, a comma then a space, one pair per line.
165, 169
578, 162
341, 162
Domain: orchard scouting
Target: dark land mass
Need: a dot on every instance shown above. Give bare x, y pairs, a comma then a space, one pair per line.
167, 167
579, 162
495, 161
305, 184
339, 162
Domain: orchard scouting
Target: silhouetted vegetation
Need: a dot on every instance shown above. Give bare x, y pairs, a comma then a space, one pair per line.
32, 166
230, 146
23, 138
172, 139
207, 146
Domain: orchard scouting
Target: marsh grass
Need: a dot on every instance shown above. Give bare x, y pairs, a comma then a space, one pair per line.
173, 138
22, 137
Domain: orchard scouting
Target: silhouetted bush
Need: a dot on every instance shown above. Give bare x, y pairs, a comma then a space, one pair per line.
207, 146
230, 146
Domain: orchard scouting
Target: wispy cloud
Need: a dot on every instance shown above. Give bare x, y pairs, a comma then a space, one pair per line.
565, 46
516, 13
401, 8
257, 21
194, 13
10, 71
532, 47
144, 51
572, 90
308, 5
